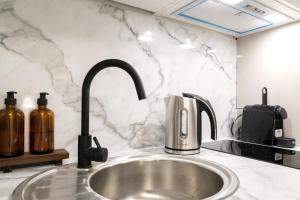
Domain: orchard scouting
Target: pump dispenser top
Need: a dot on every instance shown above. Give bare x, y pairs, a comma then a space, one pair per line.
10, 99
42, 101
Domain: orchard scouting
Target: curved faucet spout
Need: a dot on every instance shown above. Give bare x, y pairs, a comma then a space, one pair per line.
84, 140
87, 84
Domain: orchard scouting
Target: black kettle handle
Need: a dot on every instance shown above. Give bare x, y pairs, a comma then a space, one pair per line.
203, 104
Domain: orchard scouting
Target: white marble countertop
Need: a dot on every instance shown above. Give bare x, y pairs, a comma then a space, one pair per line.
258, 180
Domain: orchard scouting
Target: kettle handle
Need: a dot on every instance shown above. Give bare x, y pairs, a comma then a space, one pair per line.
204, 105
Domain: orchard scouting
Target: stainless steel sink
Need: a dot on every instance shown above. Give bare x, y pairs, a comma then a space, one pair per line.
136, 177
162, 177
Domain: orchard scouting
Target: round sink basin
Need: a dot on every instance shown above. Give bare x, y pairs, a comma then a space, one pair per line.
162, 177
136, 177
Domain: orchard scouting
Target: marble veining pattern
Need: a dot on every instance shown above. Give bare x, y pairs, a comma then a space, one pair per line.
50, 45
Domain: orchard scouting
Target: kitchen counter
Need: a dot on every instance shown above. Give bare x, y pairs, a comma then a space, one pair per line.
258, 180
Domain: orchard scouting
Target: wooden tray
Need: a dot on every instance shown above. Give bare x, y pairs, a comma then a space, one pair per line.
27, 159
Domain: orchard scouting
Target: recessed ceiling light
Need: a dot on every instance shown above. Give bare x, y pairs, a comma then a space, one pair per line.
275, 18
146, 37
231, 2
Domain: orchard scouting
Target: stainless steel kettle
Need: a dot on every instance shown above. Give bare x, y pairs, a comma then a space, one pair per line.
183, 123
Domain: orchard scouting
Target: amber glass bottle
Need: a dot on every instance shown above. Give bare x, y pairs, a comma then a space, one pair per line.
11, 128
41, 127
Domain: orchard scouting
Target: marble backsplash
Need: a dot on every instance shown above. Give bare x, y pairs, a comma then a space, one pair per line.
50, 45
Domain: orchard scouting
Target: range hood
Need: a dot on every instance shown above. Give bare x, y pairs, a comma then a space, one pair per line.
234, 17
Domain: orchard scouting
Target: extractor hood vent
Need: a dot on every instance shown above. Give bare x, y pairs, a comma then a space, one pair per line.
254, 9
238, 19
215, 14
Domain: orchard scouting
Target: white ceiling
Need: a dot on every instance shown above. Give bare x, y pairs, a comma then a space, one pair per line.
235, 20
292, 3
150, 5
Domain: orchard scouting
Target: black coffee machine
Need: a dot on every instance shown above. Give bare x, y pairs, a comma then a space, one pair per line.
263, 124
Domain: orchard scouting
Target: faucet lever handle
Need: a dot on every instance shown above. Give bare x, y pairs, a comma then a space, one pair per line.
97, 143
98, 154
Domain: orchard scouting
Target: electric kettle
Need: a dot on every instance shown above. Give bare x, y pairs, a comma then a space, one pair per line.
183, 123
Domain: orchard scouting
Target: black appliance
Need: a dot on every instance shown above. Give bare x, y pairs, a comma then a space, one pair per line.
275, 155
263, 124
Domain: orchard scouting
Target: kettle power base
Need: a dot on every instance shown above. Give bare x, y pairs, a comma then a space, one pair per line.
271, 154
27, 159
181, 151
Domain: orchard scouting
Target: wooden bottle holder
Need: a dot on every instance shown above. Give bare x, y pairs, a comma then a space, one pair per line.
27, 159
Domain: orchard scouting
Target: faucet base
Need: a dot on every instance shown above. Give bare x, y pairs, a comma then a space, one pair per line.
84, 143
87, 153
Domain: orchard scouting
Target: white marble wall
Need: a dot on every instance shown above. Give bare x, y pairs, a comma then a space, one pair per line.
49, 45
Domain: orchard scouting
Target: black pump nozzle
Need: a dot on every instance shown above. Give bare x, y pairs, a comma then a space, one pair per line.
10, 99
42, 101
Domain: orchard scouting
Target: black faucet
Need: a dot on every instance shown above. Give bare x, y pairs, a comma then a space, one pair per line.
86, 153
